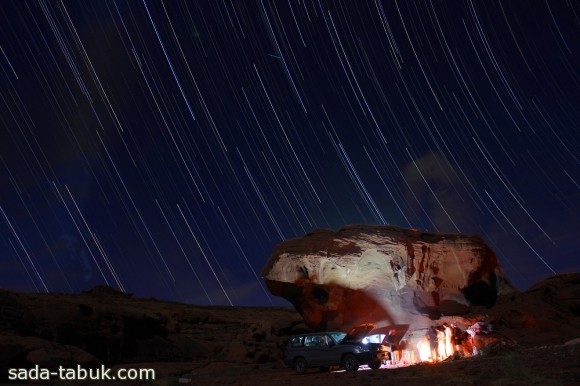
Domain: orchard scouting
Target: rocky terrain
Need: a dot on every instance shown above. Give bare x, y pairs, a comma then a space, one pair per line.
109, 327
243, 346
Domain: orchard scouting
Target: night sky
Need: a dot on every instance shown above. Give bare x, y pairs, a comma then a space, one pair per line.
165, 148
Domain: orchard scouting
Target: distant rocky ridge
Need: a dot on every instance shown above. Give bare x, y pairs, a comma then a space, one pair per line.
105, 326
384, 275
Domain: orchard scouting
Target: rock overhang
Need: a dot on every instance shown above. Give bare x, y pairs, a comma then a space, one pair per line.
383, 274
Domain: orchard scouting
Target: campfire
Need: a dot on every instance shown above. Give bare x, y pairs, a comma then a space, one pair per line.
433, 344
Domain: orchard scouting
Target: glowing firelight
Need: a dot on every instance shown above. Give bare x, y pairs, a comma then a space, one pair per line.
424, 350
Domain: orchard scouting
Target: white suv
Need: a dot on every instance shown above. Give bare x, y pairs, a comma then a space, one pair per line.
325, 349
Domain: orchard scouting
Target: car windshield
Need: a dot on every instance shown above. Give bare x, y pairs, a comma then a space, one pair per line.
338, 336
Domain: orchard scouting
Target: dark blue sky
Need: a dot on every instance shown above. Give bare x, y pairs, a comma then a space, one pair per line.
165, 148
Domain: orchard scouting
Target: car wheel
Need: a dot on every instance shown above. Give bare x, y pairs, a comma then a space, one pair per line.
300, 365
375, 365
350, 363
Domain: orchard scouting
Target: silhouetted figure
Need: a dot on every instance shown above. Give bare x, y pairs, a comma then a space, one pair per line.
391, 340
457, 338
433, 344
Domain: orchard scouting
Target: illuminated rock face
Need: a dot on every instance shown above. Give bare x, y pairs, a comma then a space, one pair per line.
383, 274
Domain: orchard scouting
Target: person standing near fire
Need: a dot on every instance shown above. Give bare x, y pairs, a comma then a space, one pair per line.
441, 342
432, 336
457, 339
391, 340
448, 340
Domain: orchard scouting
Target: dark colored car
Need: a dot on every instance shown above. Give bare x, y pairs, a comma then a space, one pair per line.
325, 349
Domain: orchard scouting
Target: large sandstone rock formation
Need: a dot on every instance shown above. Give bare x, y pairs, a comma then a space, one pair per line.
383, 274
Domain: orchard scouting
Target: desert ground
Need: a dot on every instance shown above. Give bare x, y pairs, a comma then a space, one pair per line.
555, 365
542, 366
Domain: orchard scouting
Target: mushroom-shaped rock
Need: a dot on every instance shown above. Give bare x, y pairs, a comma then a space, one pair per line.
384, 275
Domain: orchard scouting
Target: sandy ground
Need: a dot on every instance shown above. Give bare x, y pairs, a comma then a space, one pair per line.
543, 366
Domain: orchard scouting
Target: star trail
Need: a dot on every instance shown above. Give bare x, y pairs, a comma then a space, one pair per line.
165, 147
